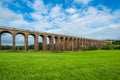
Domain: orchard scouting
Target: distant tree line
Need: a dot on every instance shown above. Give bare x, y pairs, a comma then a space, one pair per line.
116, 42
31, 47
115, 45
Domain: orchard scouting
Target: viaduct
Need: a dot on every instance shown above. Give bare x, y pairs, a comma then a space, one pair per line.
56, 42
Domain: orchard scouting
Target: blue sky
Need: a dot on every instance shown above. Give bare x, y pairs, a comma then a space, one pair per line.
97, 19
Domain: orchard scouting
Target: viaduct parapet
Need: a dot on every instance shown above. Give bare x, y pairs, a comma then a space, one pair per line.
56, 42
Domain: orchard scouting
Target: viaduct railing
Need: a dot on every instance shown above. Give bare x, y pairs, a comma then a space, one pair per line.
57, 42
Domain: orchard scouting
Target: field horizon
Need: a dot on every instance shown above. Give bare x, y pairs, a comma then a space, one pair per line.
73, 65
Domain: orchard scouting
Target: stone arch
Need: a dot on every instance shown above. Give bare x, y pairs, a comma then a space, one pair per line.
31, 41
10, 32
4, 42
40, 42
20, 41
48, 42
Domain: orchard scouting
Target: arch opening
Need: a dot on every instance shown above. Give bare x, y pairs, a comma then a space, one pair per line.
20, 41
40, 42
6, 41
31, 42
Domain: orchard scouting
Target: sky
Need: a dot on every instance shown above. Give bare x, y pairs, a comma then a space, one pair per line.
97, 19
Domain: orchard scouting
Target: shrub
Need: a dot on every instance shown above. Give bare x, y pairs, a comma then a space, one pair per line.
117, 47
108, 47
92, 48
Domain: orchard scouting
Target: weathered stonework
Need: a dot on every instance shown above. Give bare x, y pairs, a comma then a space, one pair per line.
57, 42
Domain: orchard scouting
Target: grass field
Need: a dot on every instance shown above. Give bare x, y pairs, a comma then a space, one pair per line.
88, 65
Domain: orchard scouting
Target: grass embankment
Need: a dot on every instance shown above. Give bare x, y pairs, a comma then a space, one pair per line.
89, 65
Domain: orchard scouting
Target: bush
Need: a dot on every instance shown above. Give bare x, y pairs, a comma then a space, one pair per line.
92, 48
108, 47
117, 47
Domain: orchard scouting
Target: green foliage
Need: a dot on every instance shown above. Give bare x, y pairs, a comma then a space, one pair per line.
117, 47
111, 47
116, 42
92, 48
87, 65
108, 47
6, 47
40, 46
19, 48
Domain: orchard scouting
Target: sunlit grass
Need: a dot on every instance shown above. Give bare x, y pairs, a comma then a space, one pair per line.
88, 65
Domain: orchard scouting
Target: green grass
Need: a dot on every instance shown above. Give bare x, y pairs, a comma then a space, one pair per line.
88, 65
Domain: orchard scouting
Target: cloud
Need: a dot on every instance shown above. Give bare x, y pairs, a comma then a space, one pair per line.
71, 10
91, 22
84, 2
39, 6
10, 18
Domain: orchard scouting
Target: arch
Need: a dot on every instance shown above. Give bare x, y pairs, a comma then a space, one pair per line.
6, 41
40, 42
48, 42
6, 32
31, 41
20, 41
20, 33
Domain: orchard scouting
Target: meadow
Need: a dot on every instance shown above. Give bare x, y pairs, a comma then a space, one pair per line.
86, 65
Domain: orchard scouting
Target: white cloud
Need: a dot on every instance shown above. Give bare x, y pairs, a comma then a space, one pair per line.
91, 22
56, 12
10, 18
71, 10
38, 5
114, 26
85, 2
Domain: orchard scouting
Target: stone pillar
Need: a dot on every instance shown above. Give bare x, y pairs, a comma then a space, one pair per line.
0, 41
44, 44
66, 42
86, 43
70, 44
83, 43
26, 42
36, 43
57, 44
14, 41
63, 44
78, 42
75, 43
51, 43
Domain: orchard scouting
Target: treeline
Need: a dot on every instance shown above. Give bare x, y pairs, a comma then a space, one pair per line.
31, 47
115, 45
110, 46
116, 42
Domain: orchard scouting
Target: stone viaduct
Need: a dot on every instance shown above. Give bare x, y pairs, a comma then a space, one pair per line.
56, 42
